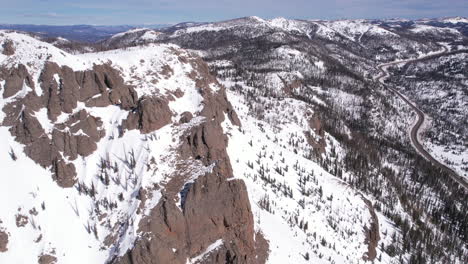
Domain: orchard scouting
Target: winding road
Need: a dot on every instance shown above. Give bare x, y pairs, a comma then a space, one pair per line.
421, 117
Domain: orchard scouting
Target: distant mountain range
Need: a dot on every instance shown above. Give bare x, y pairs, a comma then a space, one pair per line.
92, 34
83, 33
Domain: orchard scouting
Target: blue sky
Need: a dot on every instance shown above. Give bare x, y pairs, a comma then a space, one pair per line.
117, 12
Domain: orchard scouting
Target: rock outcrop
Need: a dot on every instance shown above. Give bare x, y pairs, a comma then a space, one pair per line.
8, 48
3, 241
318, 141
58, 123
221, 210
21, 220
15, 81
151, 114
213, 208
47, 259
62, 90
100, 87
63, 173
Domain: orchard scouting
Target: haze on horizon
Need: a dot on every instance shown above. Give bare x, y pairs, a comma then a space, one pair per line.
119, 12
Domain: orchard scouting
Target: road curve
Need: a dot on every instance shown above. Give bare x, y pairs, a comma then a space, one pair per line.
417, 126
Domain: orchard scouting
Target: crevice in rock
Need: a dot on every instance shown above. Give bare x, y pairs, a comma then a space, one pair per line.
183, 194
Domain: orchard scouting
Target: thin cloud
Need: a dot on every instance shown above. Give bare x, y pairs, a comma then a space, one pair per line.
45, 15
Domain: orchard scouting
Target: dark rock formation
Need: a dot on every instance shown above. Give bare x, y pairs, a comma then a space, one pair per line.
15, 80
166, 229
318, 144
26, 127
8, 48
63, 173
47, 259
208, 143
185, 117
107, 83
45, 151
100, 87
62, 89
151, 114
215, 105
289, 88
220, 209
21, 220
213, 207
3, 241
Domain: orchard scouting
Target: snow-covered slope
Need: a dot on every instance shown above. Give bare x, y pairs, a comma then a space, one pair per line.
434, 30
137, 35
454, 20
355, 29
306, 213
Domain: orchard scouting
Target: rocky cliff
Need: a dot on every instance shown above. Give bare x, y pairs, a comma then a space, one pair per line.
137, 203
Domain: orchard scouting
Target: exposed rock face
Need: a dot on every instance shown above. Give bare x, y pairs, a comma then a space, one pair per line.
62, 90
215, 105
106, 82
319, 143
15, 80
3, 241
100, 87
166, 229
208, 144
83, 144
221, 209
63, 173
151, 114
44, 150
21, 220
47, 259
214, 207
8, 48
185, 117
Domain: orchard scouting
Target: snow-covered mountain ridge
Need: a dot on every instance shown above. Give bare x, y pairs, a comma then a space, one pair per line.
111, 141
355, 31
103, 177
